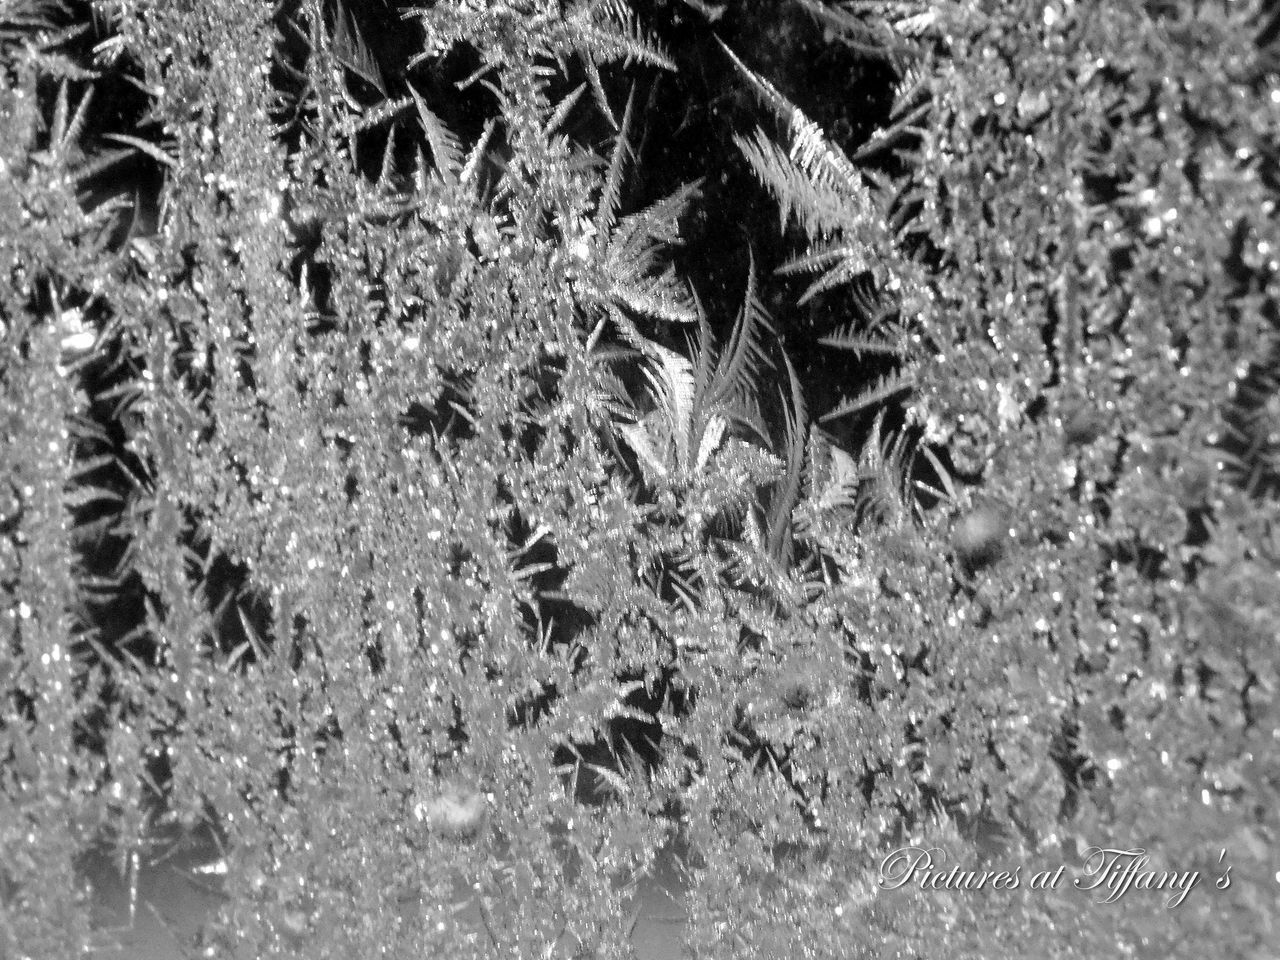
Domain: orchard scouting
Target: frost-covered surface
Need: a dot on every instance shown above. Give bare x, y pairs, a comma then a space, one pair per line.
371, 512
